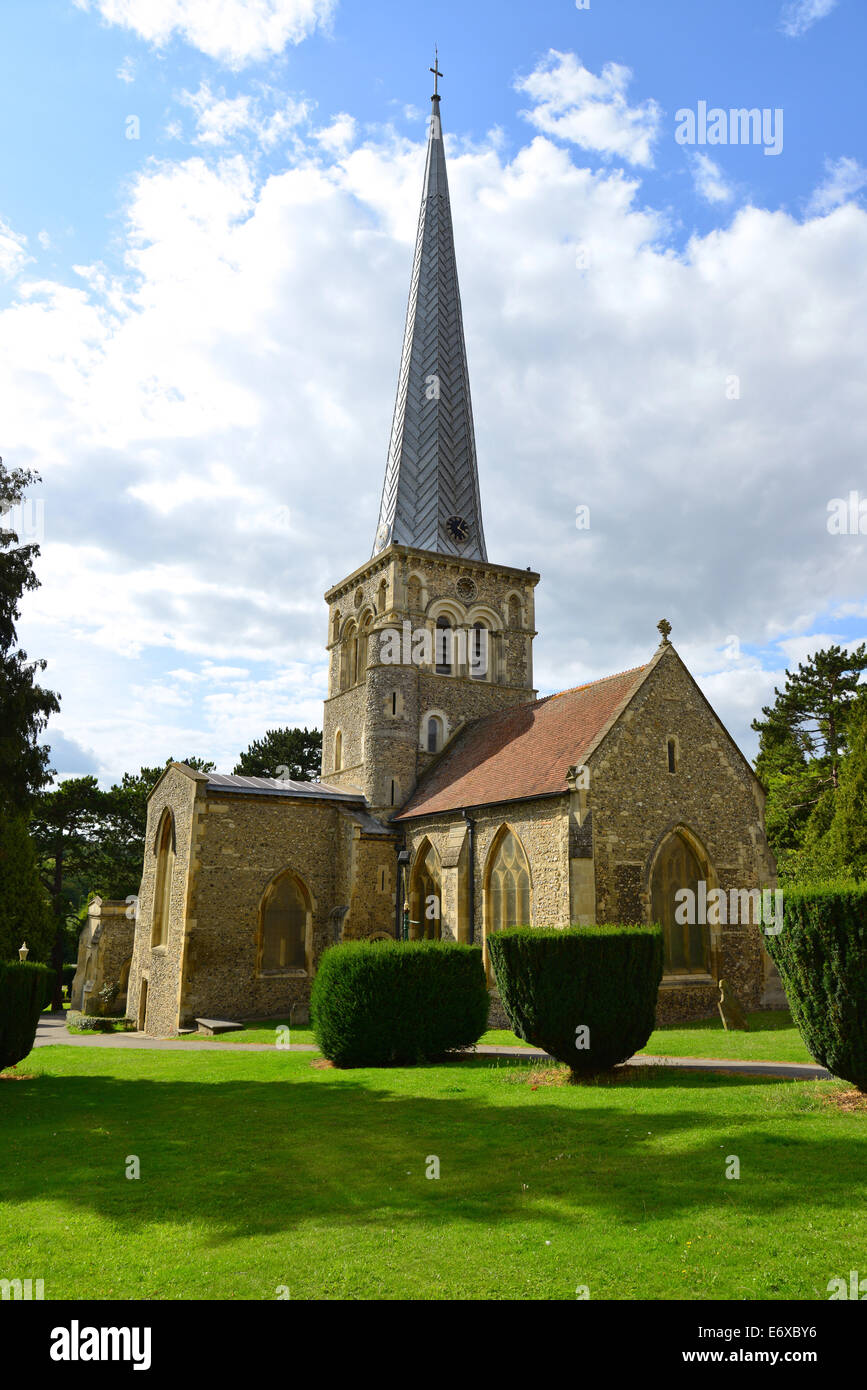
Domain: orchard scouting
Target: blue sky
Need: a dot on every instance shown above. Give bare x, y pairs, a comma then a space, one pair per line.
200, 330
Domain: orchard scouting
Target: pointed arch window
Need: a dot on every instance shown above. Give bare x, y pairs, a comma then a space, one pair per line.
338, 751
425, 896
165, 852
284, 926
507, 888
687, 944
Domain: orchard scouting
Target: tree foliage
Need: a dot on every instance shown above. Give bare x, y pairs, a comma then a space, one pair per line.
298, 751
804, 745
25, 706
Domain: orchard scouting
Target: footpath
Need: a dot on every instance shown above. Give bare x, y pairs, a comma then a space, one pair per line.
52, 1031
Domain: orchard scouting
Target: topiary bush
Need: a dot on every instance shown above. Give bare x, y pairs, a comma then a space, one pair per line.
25, 989
821, 954
380, 1004
602, 979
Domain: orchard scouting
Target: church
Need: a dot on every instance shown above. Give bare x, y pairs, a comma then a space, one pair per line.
453, 802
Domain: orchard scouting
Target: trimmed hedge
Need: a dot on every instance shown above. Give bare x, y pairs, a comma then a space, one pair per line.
391, 1003
95, 1023
25, 989
605, 979
821, 955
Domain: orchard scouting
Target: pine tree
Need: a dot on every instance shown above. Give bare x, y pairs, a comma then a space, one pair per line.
803, 742
298, 750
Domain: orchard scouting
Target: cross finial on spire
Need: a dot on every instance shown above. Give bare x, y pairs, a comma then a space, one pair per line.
436, 71
665, 628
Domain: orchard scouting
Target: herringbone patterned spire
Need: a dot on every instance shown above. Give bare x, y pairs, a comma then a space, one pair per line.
431, 494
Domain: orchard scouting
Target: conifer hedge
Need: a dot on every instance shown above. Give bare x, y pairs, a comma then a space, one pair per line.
390, 1003
602, 979
821, 954
25, 989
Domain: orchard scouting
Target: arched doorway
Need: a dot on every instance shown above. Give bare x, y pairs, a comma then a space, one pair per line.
680, 864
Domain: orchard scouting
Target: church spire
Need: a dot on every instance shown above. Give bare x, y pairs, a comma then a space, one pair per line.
430, 499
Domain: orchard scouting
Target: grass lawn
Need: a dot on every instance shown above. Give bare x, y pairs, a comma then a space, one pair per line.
261, 1170
773, 1038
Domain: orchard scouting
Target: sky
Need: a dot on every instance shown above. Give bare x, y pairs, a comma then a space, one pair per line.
207, 218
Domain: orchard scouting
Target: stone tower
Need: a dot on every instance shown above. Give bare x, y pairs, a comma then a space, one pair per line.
428, 634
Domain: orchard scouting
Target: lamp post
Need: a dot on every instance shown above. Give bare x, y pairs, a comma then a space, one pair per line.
23, 951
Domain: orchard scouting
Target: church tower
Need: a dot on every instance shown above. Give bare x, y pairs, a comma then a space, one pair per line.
428, 634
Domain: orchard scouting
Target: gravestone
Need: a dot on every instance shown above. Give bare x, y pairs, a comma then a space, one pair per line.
730, 1010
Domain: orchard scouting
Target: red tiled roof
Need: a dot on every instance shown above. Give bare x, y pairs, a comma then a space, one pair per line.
523, 751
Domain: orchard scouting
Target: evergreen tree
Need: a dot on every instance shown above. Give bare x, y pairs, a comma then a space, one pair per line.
24, 711
25, 910
803, 742
848, 831
24, 705
298, 750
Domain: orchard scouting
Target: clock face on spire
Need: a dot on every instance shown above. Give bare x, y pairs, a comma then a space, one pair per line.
458, 529
381, 539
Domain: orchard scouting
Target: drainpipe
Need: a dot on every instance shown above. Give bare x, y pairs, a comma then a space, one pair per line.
402, 860
471, 859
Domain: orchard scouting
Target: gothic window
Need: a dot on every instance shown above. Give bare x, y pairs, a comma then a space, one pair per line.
672, 755
338, 751
413, 594
507, 888
687, 945
383, 596
516, 617
425, 895
284, 915
335, 631
444, 646
165, 852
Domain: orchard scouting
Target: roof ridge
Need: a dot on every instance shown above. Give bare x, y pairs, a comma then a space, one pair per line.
600, 680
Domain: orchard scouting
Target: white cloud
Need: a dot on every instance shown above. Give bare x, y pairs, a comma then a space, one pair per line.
235, 32
709, 180
44, 240
221, 120
13, 251
574, 104
126, 71
242, 366
800, 15
844, 179
339, 135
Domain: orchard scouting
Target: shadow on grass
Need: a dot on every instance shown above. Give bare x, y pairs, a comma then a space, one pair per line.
242, 1157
